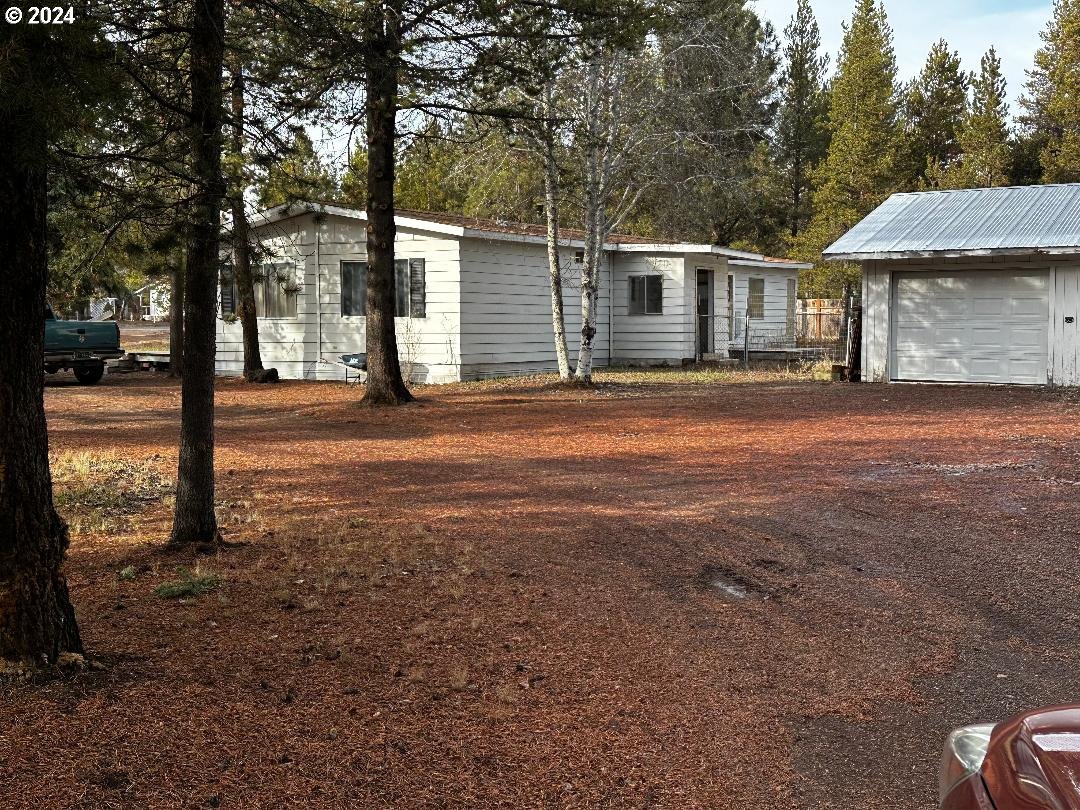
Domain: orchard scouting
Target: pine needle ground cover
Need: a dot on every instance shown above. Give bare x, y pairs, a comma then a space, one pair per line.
665, 591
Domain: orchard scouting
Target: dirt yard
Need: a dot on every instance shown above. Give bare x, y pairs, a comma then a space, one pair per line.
770, 594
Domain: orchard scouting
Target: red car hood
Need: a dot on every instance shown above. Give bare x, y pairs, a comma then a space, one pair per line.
1033, 761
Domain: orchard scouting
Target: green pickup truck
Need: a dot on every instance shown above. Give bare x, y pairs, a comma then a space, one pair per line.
82, 346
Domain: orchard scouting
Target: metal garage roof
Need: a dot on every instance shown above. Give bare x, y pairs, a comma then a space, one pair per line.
967, 222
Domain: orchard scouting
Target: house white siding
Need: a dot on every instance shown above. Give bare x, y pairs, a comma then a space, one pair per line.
665, 338
487, 298
429, 347
506, 309
775, 322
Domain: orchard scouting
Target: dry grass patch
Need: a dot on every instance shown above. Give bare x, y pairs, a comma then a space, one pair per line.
189, 585
103, 492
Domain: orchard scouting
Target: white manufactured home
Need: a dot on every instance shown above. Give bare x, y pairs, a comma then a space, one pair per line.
974, 285
474, 300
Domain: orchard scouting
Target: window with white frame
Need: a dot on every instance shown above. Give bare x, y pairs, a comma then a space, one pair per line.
410, 288
275, 290
755, 298
646, 295
275, 287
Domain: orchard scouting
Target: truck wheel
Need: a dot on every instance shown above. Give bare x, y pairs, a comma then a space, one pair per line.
88, 375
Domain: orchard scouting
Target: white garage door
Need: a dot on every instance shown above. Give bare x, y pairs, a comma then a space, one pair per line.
976, 326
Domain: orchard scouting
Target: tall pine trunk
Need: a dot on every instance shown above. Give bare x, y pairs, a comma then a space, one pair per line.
194, 522
796, 191
37, 621
385, 385
551, 211
245, 284
176, 314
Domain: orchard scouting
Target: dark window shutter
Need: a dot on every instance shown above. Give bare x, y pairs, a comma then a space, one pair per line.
228, 296
417, 290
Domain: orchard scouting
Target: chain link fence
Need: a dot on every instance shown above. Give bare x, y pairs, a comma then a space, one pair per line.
815, 329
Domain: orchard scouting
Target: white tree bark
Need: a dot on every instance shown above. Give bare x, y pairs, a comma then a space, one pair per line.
593, 219
551, 212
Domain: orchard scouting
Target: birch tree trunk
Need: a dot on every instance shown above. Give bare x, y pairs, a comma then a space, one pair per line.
194, 521
551, 210
593, 221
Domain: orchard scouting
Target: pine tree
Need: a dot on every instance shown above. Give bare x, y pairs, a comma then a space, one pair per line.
299, 175
934, 107
860, 168
1053, 99
719, 61
801, 132
427, 174
984, 134
56, 81
354, 181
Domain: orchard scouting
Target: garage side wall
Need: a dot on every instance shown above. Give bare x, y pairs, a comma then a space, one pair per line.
876, 293
1063, 366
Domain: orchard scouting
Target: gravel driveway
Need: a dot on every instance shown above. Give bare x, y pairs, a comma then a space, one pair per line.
772, 594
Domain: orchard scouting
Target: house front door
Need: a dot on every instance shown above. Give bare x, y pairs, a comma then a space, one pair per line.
704, 312
731, 308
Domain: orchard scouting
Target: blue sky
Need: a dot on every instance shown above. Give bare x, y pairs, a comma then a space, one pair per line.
969, 26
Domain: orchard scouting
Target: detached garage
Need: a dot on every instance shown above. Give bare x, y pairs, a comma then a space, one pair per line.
974, 285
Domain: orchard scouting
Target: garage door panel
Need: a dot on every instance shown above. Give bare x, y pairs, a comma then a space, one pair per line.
949, 366
988, 307
1028, 371
948, 308
970, 326
1029, 307
913, 286
1029, 337
951, 337
989, 337
914, 306
912, 367
911, 333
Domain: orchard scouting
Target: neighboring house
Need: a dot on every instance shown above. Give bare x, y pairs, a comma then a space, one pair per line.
103, 309
474, 298
153, 301
976, 285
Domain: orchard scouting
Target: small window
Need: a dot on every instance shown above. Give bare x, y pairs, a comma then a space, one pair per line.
275, 290
579, 257
409, 288
646, 295
755, 298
